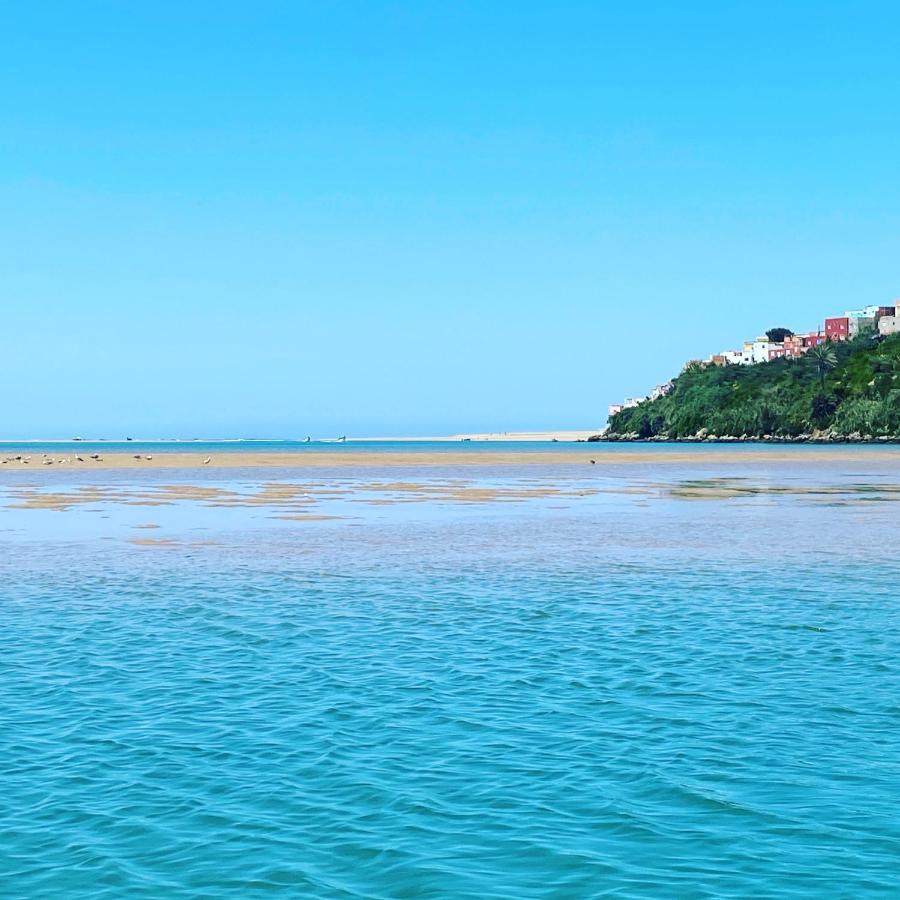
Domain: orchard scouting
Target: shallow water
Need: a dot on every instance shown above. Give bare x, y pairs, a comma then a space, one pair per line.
426, 447
674, 681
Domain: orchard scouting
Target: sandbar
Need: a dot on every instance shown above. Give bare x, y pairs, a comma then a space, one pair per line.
356, 459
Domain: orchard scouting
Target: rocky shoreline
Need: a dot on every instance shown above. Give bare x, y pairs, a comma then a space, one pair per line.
704, 437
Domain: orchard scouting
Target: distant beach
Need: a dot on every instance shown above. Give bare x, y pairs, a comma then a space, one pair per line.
501, 436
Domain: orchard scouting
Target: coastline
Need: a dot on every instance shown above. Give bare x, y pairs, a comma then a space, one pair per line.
819, 440
311, 459
721, 453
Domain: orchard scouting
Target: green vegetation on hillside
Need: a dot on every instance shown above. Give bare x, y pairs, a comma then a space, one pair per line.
842, 389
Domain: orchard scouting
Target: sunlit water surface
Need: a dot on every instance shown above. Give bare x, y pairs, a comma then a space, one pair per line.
658, 681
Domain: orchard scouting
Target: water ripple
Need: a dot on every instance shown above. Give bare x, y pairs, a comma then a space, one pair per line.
518, 722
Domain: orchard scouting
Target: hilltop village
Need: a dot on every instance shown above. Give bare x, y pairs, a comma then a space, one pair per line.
782, 343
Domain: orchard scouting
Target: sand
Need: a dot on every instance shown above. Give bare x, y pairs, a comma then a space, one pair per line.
604, 455
290, 501
512, 436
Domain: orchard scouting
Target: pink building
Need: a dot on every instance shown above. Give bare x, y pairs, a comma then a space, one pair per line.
797, 344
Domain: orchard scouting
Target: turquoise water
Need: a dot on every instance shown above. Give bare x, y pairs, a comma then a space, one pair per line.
276, 446
684, 684
480, 448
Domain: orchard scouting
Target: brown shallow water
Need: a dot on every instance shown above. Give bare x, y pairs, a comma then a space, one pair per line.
295, 498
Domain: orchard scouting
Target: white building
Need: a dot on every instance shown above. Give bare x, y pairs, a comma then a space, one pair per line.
734, 357
889, 324
759, 349
867, 312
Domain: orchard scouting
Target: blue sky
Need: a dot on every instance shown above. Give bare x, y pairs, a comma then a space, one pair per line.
236, 219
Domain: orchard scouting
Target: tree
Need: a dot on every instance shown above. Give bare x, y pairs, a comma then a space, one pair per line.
823, 359
848, 386
822, 409
777, 335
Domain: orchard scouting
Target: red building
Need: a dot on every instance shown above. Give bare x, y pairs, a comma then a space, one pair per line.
814, 338
837, 329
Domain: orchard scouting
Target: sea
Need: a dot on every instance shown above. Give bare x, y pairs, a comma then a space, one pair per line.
672, 672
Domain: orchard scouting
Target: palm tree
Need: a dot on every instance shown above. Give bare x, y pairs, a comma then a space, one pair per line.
823, 360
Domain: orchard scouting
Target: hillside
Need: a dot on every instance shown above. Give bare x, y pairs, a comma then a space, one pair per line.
854, 392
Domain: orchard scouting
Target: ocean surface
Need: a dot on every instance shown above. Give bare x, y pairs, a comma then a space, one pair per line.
375, 447
661, 679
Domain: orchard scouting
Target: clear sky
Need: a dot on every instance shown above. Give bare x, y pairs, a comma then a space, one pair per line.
282, 218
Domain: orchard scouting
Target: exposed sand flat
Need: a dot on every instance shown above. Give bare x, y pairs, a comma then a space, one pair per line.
290, 502
561, 436
603, 454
